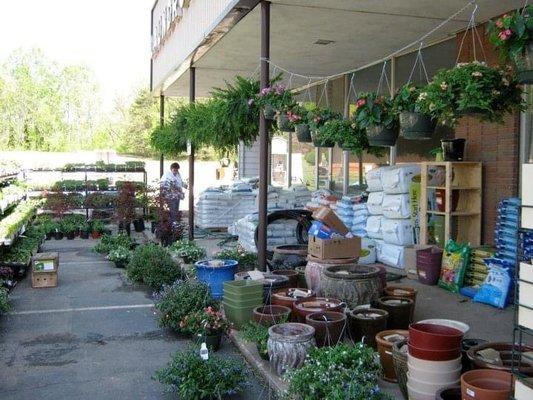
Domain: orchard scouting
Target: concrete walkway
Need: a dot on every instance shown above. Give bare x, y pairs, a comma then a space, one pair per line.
95, 336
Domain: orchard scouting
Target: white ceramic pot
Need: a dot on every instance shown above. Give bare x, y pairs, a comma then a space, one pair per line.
447, 322
429, 387
435, 376
416, 395
434, 366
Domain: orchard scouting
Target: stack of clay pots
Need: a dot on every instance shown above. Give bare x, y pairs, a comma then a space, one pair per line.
287, 298
434, 359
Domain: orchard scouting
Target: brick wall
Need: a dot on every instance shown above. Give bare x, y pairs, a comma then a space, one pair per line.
497, 146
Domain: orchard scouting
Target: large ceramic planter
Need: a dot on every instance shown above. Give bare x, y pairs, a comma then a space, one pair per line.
212, 341
524, 65
399, 361
288, 345
289, 256
381, 136
416, 126
215, 273
401, 291
365, 323
283, 122
329, 327
314, 271
303, 133
290, 274
271, 315
287, 298
506, 354
486, 384
304, 307
400, 311
385, 341
355, 285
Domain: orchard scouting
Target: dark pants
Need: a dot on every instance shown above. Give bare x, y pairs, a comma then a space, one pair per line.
174, 207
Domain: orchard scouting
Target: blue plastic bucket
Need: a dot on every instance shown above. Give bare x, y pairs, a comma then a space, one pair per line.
216, 276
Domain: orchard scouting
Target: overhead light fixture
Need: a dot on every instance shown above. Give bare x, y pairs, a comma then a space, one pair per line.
324, 42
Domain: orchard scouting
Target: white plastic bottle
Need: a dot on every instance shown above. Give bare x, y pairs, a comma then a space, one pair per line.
204, 353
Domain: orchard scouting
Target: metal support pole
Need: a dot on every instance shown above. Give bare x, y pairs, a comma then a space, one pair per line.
192, 98
346, 154
289, 161
263, 140
392, 152
317, 162
161, 123
330, 168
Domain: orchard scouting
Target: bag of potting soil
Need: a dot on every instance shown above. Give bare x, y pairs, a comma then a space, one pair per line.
495, 290
455, 260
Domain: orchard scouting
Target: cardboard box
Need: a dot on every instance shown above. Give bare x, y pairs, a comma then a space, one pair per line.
44, 270
324, 249
329, 218
409, 259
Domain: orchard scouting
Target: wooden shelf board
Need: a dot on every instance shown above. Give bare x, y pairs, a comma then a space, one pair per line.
454, 213
456, 187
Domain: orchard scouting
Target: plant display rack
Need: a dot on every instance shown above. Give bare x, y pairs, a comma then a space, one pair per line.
9, 204
464, 223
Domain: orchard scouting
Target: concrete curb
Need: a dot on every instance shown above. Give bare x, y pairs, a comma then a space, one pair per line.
251, 355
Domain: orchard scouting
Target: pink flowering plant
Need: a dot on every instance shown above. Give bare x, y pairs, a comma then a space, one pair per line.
208, 321
372, 109
511, 33
317, 117
471, 88
275, 96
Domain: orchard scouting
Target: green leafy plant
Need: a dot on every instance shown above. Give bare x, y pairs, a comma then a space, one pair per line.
276, 96
511, 33
119, 254
108, 243
177, 301
188, 250
471, 88
317, 117
343, 372
406, 99
258, 334
191, 378
372, 109
208, 321
4, 302
13, 222
152, 264
103, 184
97, 226
246, 259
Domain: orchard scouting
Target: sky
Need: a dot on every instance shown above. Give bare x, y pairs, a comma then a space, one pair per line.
111, 37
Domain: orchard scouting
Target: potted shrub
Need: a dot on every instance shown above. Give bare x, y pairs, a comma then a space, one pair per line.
317, 118
180, 299
85, 230
376, 114
257, 334
190, 377
207, 326
472, 89
275, 100
97, 228
69, 228
109, 242
246, 259
103, 184
188, 250
120, 256
413, 124
512, 35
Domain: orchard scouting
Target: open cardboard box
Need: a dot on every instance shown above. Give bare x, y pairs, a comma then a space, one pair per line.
334, 248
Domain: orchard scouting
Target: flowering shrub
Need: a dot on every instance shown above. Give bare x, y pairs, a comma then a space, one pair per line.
372, 109
208, 321
182, 298
188, 250
119, 254
470, 88
111, 242
276, 96
319, 116
511, 33
342, 372
246, 259
191, 378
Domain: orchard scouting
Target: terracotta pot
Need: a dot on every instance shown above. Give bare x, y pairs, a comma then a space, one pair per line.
400, 311
365, 323
289, 273
486, 384
399, 361
385, 340
304, 307
288, 345
329, 327
314, 271
506, 355
434, 355
287, 298
355, 285
289, 256
271, 315
461, 326
449, 393
434, 337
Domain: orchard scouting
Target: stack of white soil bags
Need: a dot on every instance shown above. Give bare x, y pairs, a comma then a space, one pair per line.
396, 226
374, 203
278, 233
344, 210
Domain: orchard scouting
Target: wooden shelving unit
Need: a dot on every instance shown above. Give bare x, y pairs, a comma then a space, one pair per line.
461, 182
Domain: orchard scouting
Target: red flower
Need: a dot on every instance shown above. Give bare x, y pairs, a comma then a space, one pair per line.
361, 102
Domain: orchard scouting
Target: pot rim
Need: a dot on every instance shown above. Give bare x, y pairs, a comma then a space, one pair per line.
354, 313
404, 300
401, 332
465, 328
367, 272
321, 300
340, 317
297, 249
275, 310
306, 332
282, 293
285, 272
493, 374
448, 332
332, 261
500, 346
228, 264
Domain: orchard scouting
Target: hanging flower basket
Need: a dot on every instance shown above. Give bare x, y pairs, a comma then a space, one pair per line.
416, 126
283, 122
270, 112
378, 135
318, 142
303, 133
524, 65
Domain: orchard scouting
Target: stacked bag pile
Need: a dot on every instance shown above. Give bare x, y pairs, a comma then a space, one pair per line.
344, 210
360, 216
477, 270
279, 232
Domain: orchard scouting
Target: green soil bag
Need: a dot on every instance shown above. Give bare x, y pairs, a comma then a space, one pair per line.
455, 260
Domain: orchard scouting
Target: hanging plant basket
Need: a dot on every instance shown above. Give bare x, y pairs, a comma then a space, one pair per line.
381, 136
283, 122
321, 142
416, 126
524, 65
270, 112
303, 133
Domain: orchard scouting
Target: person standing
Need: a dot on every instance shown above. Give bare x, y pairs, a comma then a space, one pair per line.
172, 186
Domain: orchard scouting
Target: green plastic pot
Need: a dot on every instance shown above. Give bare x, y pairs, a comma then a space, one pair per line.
381, 136
250, 301
303, 133
416, 126
238, 316
242, 288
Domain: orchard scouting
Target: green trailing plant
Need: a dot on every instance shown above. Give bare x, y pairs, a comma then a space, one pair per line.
191, 378
471, 88
188, 250
372, 109
152, 264
4, 301
24, 246
257, 334
342, 372
511, 33
246, 259
175, 302
19, 216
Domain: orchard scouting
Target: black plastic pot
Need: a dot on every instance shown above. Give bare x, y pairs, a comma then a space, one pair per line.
153, 226
303, 133
283, 123
450, 393
467, 344
84, 234
524, 65
49, 235
416, 126
138, 225
269, 112
70, 235
381, 136
453, 149
121, 264
58, 235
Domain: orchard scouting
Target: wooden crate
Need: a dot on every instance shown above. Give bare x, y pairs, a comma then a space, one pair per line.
48, 277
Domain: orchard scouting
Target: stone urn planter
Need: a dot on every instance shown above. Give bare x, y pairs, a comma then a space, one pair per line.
329, 327
287, 298
288, 345
289, 256
315, 268
271, 315
304, 307
355, 285
365, 323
